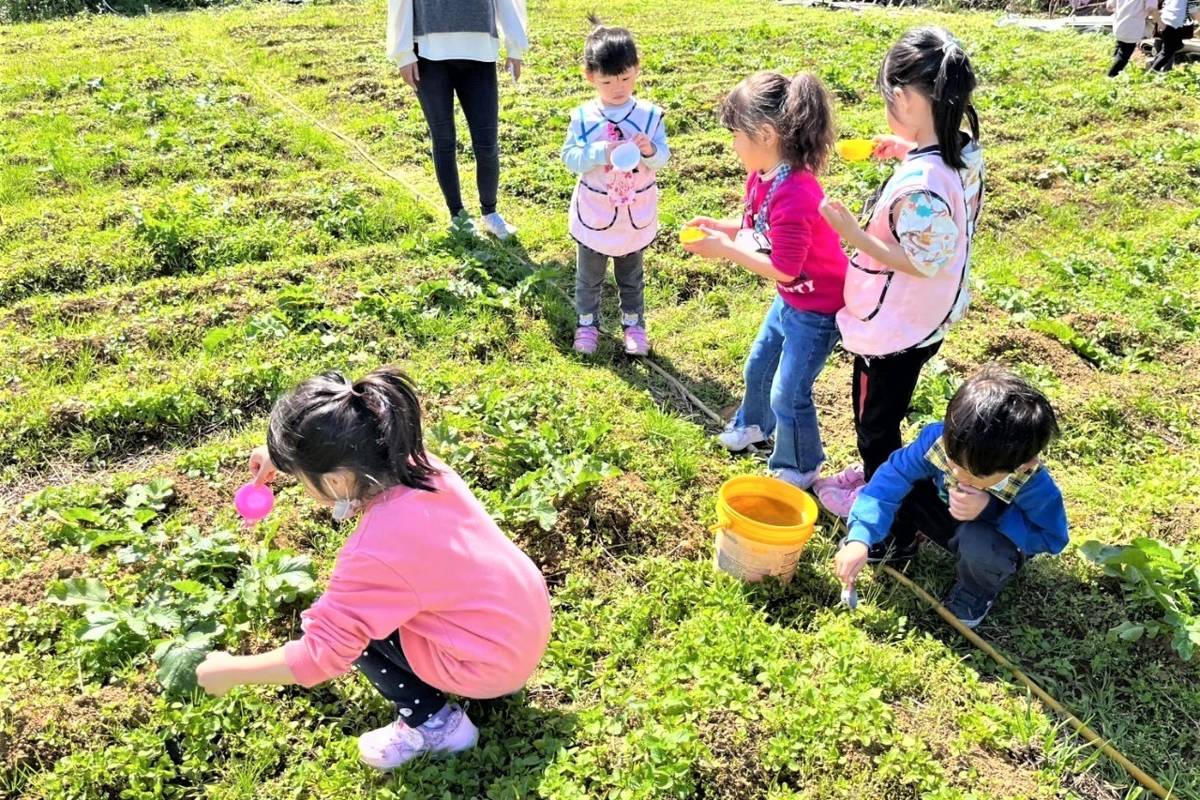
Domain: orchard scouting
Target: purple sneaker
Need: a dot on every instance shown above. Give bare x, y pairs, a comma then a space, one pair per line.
636, 343
447, 732
586, 339
850, 478
837, 501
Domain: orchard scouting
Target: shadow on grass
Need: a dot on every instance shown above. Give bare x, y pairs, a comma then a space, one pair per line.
550, 296
1053, 621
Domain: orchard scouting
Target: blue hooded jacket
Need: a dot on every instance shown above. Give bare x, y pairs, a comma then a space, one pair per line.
1035, 519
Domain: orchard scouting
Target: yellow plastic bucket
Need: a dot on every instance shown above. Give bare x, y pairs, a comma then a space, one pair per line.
762, 527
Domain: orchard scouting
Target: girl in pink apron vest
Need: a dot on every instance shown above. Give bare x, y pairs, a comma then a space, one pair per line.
614, 209
908, 280
782, 131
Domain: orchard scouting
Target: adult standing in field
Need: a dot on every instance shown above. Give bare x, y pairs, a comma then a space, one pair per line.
1176, 28
451, 47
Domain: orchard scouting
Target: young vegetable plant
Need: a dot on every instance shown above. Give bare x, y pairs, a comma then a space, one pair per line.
1161, 579
192, 590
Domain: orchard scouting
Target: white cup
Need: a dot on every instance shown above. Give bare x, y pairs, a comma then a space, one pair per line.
625, 156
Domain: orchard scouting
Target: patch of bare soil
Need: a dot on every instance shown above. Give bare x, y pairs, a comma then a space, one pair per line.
622, 516
30, 587
736, 771
38, 730
1028, 347
992, 774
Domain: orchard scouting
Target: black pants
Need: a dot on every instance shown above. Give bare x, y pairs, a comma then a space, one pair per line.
475, 84
1172, 43
1121, 56
882, 390
987, 559
384, 665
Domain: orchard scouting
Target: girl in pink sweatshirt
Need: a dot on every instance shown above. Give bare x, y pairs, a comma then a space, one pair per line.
427, 596
782, 131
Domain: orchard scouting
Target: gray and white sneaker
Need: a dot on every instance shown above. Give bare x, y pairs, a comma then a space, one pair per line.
735, 439
969, 609
497, 226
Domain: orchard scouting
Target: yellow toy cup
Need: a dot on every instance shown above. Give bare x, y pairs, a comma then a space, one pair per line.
690, 235
763, 525
855, 149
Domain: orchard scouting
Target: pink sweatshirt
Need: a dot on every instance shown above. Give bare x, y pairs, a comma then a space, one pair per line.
802, 243
472, 609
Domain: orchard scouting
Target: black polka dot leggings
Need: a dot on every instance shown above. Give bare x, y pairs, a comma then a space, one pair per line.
384, 665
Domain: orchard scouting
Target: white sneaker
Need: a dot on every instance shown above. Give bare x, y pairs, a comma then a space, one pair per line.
497, 226
801, 480
447, 732
736, 439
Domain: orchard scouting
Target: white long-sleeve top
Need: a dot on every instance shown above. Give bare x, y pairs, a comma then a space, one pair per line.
581, 153
1174, 13
1130, 18
472, 46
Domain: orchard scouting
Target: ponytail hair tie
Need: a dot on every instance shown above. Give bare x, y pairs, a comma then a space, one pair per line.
950, 48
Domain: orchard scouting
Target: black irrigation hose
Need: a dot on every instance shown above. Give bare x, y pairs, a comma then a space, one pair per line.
1082, 729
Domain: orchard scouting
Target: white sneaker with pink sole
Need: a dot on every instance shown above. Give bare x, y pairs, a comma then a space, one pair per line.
445, 733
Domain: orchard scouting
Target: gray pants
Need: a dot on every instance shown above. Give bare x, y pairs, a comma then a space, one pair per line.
590, 270
987, 559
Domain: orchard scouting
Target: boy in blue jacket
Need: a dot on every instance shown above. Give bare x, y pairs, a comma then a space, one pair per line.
972, 484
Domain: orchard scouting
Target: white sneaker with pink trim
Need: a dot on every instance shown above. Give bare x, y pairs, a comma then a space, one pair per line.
445, 733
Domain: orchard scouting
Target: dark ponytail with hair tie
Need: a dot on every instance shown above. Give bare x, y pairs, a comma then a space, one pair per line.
798, 108
370, 427
931, 61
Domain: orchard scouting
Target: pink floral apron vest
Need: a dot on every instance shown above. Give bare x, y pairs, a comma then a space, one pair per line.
615, 212
887, 311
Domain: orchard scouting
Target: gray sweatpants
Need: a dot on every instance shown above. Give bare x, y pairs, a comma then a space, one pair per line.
590, 270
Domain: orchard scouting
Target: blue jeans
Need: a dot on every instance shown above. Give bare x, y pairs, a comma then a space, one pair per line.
785, 360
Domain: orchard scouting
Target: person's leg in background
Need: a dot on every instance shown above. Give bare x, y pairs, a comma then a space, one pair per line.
1172, 41
590, 270
808, 339
1121, 55
435, 92
478, 91
881, 390
630, 273
755, 420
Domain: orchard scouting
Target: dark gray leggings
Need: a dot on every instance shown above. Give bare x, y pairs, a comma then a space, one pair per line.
475, 84
987, 559
384, 664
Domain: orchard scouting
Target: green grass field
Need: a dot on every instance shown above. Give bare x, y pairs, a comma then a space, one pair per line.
182, 238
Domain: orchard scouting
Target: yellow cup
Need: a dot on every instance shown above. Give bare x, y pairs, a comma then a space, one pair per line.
855, 149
